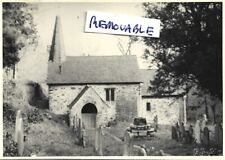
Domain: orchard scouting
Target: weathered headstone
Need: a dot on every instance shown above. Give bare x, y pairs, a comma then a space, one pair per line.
126, 144
83, 137
203, 122
178, 134
141, 150
96, 140
156, 123
100, 141
205, 138
74, 124
218, 136
71, 121
182, 132
191, 133
20, 137
79, 128
173, 134
197, 132
18, 116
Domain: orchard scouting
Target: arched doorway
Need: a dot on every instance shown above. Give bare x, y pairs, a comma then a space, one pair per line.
89, 112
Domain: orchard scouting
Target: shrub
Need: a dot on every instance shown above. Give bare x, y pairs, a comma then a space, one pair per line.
9, 113
212, 151
11, 149
34, 116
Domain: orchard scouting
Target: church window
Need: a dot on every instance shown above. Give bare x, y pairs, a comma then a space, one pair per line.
110, 94
148, 106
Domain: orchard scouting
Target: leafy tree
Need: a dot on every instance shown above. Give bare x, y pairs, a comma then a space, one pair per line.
189, 50
18, 31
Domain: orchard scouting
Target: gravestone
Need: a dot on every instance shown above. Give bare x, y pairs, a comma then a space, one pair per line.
126, 144
218, 137
100, 141
197, 132
177, 134
79, 128
74, 124
84, 137
205, 138
173, 134
96, 140
141, 150
191, 133
182, 132
156, 123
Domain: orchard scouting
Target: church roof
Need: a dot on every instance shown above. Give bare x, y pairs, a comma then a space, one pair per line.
147, 75
95, 69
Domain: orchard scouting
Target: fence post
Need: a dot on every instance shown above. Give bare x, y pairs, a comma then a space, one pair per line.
79, 129
96, 139
100, 141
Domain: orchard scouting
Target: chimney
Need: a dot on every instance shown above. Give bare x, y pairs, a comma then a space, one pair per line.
57, 50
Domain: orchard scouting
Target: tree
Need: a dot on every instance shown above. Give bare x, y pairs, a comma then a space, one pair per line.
189, 50
18, 31
131, 41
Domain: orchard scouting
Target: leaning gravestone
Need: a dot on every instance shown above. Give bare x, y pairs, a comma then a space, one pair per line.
218, 137
205, 138
197, 132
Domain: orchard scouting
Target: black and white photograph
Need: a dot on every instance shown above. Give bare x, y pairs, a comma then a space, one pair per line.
120, 79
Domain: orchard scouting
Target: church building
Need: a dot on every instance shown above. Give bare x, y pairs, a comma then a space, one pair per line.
99, 89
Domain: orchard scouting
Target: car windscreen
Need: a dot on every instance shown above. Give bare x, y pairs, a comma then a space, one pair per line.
140, 121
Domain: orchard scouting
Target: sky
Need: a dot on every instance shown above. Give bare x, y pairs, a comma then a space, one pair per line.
76, 41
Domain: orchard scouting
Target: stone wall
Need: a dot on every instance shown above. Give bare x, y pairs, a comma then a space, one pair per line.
168, 109
123, 108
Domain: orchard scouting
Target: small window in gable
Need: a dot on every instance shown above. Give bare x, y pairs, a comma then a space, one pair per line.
148, 106
110, 94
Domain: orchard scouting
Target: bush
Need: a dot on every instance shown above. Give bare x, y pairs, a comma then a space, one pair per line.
34, 116
9, 113
212, 151
11, 149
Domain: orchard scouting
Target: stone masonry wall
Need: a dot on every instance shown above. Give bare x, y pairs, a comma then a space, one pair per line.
167, 109
125, 104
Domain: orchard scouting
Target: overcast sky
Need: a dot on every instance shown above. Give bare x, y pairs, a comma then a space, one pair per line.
76, 41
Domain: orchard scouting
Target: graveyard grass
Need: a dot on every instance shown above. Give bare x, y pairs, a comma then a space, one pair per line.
48, 134
53, 137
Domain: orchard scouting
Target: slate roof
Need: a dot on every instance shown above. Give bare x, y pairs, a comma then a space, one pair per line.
147, 75
95, 69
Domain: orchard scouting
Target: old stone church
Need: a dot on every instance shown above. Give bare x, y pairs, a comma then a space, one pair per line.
99, 89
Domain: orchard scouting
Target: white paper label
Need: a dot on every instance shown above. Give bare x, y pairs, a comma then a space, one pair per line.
99, 22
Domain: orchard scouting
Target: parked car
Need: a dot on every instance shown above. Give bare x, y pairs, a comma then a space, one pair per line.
139, 127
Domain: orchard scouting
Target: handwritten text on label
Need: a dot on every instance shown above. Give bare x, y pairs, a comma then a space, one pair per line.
119, 24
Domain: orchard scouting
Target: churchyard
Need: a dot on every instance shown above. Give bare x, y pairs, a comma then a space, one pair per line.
47, 134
